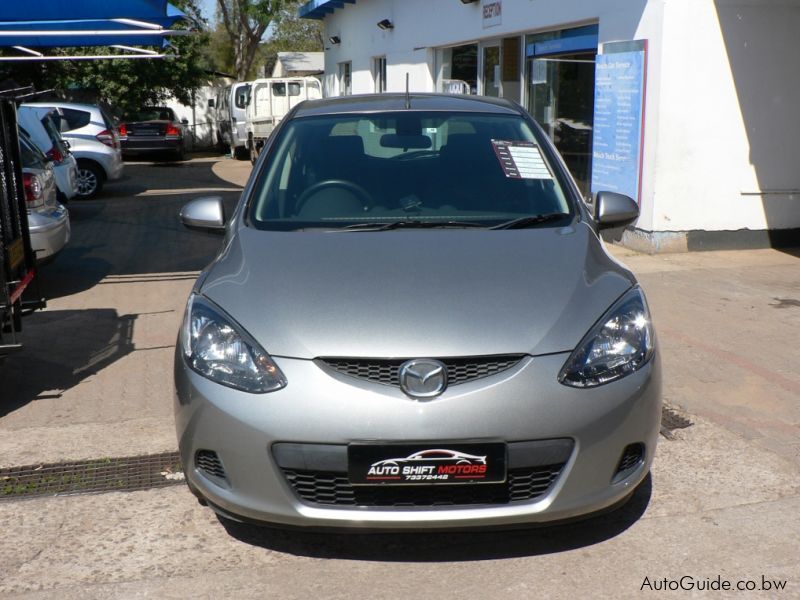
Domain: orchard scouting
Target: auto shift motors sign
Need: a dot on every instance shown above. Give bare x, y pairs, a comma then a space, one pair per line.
372, 464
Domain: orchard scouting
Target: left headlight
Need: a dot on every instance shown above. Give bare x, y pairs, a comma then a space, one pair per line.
220, 350
620, 343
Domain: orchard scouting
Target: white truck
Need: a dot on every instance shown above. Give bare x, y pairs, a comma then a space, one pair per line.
270, 100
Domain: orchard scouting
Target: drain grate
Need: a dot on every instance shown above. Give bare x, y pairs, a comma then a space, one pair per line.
671, 420
129, 473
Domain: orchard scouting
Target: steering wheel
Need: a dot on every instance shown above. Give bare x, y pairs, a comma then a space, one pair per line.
359, 192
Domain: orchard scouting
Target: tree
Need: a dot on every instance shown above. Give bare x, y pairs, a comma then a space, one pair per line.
246, 22
292, 34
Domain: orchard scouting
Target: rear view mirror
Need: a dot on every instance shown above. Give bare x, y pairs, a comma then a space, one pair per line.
416, 142
614, 210
212, 103
184, 121
204, 214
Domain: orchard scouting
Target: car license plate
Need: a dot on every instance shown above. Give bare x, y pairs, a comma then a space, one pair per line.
429, 464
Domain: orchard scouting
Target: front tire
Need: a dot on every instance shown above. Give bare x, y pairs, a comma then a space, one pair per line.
90, 180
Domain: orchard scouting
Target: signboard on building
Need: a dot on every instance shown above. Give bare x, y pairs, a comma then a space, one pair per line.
620, 77
492, 12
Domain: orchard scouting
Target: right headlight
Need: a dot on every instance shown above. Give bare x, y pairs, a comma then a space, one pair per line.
621, 342
220, 350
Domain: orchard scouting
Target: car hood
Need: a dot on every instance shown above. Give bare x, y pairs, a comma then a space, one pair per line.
421, 293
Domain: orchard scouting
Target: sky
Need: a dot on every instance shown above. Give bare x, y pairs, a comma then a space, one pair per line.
208, 8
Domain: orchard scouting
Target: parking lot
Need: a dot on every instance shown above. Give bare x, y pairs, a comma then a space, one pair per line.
95, 382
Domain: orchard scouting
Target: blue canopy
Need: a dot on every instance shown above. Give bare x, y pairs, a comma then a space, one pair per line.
72, 23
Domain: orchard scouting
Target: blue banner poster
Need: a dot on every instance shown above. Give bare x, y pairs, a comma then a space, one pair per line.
618, 122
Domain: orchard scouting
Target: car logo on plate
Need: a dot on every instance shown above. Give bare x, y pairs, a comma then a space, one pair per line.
423, 378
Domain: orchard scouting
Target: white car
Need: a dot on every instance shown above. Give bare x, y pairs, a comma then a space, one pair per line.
94, 140
39, 124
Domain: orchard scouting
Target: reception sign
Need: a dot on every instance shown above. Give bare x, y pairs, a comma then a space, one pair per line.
619, 121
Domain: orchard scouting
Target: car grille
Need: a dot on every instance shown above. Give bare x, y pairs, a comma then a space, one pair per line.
333, 488
459, 370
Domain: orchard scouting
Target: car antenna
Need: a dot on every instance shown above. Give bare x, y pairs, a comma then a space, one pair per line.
408, 96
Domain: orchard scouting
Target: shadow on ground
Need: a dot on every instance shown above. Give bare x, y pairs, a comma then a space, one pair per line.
62, 348
133, 228
428, 546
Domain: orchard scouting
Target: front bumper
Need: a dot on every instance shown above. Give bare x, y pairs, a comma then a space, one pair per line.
523, 405
50, 231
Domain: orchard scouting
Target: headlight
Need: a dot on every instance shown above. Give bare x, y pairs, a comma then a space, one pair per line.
620, 343
217, 348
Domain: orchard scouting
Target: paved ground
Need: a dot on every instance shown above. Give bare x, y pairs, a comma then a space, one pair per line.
724, 498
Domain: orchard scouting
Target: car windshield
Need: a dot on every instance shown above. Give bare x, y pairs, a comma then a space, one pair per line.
158, 113
392, 170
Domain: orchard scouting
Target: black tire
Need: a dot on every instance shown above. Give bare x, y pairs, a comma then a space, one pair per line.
91, 178
241, 153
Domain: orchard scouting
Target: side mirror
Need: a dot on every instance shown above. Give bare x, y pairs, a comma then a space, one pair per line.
67, 145
184, 121
212, 103
614, 210
204, 214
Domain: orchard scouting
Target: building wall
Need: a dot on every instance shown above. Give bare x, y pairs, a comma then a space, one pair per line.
722, 91
729, 125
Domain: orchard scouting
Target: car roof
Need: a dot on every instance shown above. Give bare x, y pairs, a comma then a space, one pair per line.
59, 104
375, 103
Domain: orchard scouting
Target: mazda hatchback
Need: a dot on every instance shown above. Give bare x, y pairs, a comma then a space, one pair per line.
413, 323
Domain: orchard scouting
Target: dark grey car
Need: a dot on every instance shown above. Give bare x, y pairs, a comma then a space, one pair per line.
412, 322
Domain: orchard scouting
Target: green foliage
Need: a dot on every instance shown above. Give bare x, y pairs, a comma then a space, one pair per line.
124, 84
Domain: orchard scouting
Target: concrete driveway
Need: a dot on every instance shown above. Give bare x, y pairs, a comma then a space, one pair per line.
95, 381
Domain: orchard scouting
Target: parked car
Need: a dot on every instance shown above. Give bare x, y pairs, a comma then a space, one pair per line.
231, 109
414, 276
154, 130
48, 220
38, 122
94, 141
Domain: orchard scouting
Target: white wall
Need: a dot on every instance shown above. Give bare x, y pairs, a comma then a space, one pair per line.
722, 90
202, 119
729, 125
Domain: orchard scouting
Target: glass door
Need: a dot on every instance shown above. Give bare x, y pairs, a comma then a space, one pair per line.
491, 76
561, 99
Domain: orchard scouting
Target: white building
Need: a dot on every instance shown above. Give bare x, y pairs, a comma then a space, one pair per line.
299, 64
691, 106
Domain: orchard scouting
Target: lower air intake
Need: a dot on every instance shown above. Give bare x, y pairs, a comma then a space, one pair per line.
333, 488
632, 457
209, 463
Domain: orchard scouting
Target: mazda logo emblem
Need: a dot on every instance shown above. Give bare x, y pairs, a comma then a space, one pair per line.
423, 378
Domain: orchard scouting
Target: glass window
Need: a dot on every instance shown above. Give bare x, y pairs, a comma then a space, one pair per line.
329, 172
242, 96
379, 73
458, 69
345, 79
74, 119
158, 113
32, 157
279, 89
295, 88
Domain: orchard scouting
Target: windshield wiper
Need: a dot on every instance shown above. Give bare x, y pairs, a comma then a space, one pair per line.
530, 221
411, 224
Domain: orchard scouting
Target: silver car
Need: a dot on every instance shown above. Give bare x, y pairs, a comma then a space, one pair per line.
414, 278
48, 220
94, 141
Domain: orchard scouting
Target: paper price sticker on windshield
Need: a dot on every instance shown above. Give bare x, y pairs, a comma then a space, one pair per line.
521, 160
